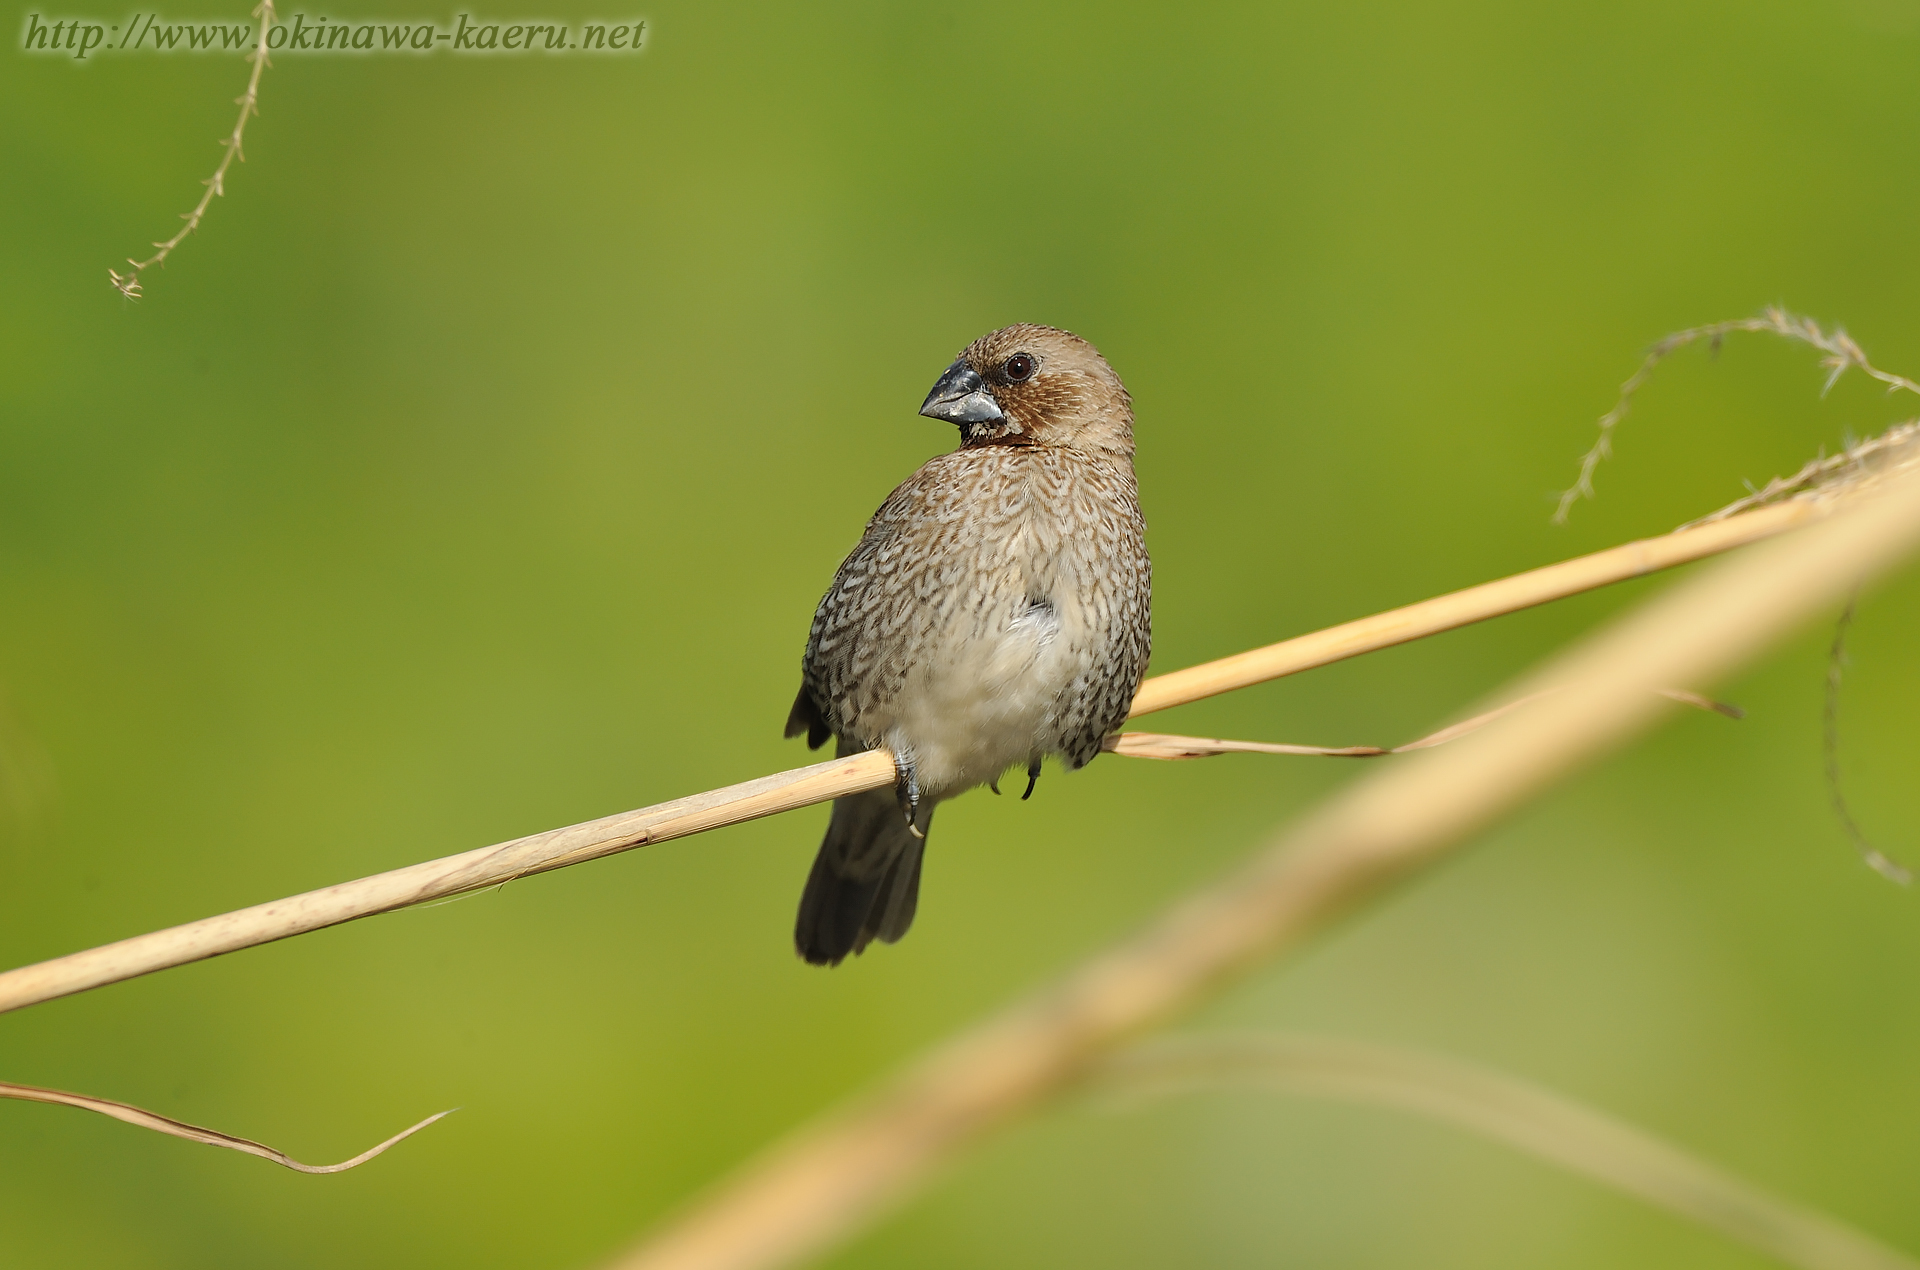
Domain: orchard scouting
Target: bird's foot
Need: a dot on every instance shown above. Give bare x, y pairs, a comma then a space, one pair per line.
909, 792
1033, 778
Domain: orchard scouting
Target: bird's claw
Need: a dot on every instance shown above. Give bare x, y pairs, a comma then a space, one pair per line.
1033, 778
909, 791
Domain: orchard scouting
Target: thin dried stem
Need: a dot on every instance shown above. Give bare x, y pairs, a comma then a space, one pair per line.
437, 879
1540, 1122
128, 284
1874, 858
1841, 355
831, 1180
1162, 745
194, 1133
1170, 747
802, 787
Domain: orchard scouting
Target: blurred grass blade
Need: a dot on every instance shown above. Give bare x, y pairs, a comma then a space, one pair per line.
1502, 1107
194, 1133
1512, 1111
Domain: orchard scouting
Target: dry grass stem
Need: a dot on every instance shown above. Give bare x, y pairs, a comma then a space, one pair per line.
128, 284
1164, 745
194, 1133
437, 879
1172, 747
829, 1181
1508, 1110
802, 787
1841, 352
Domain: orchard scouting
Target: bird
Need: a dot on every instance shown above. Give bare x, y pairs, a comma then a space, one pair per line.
996, 611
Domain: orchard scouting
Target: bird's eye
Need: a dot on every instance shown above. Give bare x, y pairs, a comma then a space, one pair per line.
1019, 368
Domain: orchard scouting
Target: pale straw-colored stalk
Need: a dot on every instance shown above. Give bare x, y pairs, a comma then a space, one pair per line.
802, 787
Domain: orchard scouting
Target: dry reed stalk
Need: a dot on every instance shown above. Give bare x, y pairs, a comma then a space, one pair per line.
830, 1180
128, 284
437, 879
805, 786
1544, 1124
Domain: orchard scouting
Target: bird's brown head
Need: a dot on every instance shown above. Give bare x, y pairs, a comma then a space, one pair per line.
1034, 385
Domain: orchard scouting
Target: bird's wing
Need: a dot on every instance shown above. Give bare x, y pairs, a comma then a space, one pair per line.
806, 717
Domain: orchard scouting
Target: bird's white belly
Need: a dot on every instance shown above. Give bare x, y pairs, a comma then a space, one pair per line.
991, 704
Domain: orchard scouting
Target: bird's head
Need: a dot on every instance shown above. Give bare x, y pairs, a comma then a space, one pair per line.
1034, 385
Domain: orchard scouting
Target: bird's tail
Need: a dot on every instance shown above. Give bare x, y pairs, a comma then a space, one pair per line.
866, 879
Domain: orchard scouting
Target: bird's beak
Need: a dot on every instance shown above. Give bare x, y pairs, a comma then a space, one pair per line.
961, 397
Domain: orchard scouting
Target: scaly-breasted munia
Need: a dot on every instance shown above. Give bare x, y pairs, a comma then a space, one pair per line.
995, 611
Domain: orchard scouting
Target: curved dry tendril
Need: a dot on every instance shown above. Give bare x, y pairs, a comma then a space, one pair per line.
145, 1119
128, 284
1874, 858
1841, 354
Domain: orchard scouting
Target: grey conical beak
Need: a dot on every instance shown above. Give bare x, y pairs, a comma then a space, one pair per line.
961, 397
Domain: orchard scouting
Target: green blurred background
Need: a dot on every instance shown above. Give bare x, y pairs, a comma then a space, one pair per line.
476, 467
